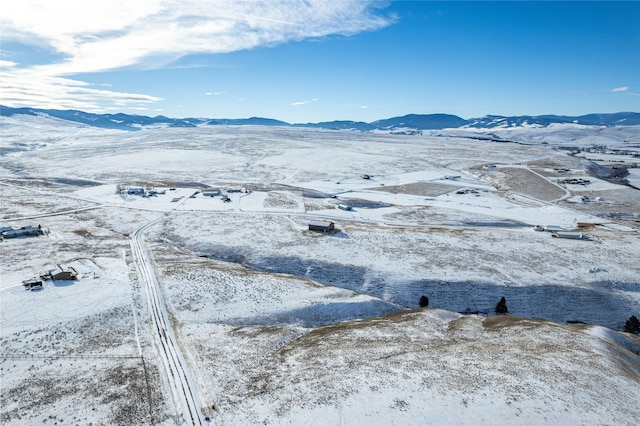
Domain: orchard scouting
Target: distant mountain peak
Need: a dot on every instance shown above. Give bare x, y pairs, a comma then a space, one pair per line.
421, 122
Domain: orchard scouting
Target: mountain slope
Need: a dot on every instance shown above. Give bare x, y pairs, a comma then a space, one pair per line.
106, 121
410, 123
253, 121
614, 119
340, 125
420, 122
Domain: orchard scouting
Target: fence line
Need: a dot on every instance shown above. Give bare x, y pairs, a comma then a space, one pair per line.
69, 356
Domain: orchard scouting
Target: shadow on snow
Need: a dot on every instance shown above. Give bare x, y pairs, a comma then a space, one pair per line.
598, 302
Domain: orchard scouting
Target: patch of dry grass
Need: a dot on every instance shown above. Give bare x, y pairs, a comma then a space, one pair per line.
124, 392
424, 189
280, 200
524, 182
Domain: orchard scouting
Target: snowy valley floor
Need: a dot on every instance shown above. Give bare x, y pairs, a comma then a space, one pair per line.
282, 325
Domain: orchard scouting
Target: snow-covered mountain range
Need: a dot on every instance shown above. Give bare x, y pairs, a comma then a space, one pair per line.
203, 295
406, 124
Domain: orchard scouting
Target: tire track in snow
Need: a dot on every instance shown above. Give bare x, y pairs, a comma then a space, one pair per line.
183, 387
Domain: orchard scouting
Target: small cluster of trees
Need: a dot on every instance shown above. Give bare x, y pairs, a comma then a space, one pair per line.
631, 326
501, 307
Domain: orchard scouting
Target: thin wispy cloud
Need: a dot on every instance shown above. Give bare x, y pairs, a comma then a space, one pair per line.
33, 88
620, 89
214, 93
88, 37
7, 64
304, 102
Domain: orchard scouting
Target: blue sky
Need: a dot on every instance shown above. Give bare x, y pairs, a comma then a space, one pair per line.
309, 61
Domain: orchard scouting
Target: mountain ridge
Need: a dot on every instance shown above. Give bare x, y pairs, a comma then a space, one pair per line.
407, 124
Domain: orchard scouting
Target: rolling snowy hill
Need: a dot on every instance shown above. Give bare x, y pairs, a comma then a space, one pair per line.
276, 324
407, 124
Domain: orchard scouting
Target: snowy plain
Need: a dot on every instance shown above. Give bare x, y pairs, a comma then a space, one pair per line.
281, 325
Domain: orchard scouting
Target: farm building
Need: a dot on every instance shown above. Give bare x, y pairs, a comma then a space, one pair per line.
25, 231
32, 283
321, 226
548, 228
586, 225
63, 273
135, 190
210, 192
467, 191
569, 235
345, 207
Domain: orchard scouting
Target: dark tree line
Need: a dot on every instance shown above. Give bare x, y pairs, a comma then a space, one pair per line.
501, 307
631, 326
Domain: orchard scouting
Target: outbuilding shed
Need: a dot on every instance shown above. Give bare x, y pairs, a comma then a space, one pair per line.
321, 226
25, 231
569, 235
32, 283
135, 190
64, 273
586, 225
548, 228
210, 192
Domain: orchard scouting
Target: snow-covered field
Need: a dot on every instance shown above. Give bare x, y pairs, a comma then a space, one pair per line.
282, 325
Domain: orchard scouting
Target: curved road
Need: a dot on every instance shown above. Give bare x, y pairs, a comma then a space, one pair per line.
184, 389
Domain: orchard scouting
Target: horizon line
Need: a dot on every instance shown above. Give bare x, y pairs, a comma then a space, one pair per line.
323, 121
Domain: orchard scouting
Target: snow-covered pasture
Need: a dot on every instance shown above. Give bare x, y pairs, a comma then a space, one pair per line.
460, 268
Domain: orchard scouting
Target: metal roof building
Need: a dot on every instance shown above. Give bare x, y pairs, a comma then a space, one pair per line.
25, 231
64, 273
321, 226
210, 192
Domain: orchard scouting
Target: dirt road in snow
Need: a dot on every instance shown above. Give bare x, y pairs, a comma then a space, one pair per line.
183, 387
